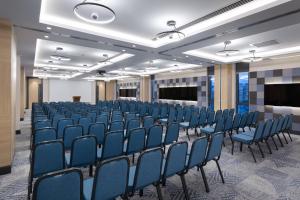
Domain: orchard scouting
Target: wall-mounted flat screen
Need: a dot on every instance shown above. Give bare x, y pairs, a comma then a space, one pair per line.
178, 93
127, 92
282, 95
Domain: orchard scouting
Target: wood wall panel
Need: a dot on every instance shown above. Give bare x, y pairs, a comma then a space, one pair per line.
111, 90
33, 91
22, 92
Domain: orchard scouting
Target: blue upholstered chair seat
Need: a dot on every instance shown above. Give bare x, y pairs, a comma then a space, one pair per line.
207, 130
184, 124
248, 133
88, 188
242, 138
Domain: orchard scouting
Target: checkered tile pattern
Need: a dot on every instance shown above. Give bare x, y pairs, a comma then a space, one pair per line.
199, 82
257, 81
129, 85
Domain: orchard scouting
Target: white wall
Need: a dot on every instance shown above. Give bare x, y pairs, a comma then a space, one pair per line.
64, 90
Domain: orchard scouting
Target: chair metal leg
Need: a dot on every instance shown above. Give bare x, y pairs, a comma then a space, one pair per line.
241, 147
252, 153
185, 190
158, 190
269, 148
285, 138
133, 158
274, 143
163, 182
260, 149
141, 192
288, 132
91, 171
220, 171
187, 133
281, 143
232, 147
204, 179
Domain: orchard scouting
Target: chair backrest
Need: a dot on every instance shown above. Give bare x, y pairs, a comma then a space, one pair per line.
172, 133
55, 119
225, 113
218, 115
202, 117
65, 184
85, 123
116, 126
179, 115
84, 151
37, 118
148, 123
194, 120
215, 146
136, 140
154, 137
42, 124
111, 178
255, 118
172, 115
116, 117
187, 114
70, 133
98, 129
113, 145
219, 125
43, 135
250, 119
155, 112
62, 123
290, 123
103, 119
231, 112
267, 128
243, 120
92, 116
236, 121
47, 157
198, 152
285, 123
176, 159
210, 117
228, 123
132, 124
274, 127
75, 117
164, 111
280, 124
259, 131
148, 168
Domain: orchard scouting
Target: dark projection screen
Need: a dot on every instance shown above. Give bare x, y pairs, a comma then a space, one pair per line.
282, 95
178, 93
127, 92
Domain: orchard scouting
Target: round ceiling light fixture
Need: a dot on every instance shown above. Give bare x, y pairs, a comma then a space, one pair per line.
173, 35
253, 58
227, 52
93, 12
60, 58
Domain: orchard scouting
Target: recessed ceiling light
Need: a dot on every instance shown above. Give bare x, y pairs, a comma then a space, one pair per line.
174, 59
251, 45
60, 58
186, 56
46, 36
123, 50
133, 45
49, 28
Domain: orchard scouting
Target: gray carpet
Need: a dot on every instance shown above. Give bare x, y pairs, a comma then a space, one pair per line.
275, 177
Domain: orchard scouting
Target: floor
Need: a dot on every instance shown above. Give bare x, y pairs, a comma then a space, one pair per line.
275, 177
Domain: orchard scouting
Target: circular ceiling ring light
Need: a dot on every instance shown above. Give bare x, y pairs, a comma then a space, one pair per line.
227, 52
253, 58
174, 34
60, 58
94, 13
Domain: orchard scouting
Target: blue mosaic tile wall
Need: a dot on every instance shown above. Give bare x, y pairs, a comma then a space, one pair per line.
200, 82
257, 82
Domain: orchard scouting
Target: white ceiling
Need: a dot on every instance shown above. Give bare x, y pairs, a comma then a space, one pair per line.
137, 22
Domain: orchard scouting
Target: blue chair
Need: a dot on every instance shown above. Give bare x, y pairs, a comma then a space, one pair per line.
289, 126
193, 123
283, 127
175, 164
116, 126
214, 153
172, 134
155, 112
62, 123
43, 135
46, 157
249, 120
128, 117
218, 116
163, 112
135, 142
171, 117
249, 140
202, 118
110, 181
75, 117
85, 123
146, 172
112, 147
154, 137
273, 131
219, 127
255, 119
243, 121
187, 114
98, 129
42, 124
210, 118
278, 129
228, 126
266, 134
61, 185
116, 117
236, 123
92, 116
148, 123
55, 120
103, 119
83, 152
225, 113
179, 115
132, 124
70, 133
231, 112
196, 157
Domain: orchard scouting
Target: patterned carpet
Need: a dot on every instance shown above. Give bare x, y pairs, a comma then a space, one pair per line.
275, 177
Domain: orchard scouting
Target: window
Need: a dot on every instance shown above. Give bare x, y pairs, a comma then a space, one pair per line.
211, 91
242, 97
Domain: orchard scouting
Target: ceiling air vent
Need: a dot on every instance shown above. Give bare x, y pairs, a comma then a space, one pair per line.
266, 43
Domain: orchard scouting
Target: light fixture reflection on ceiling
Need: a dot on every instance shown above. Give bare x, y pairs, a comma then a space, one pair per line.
253, 58
93, 12
227, 52
173, 35
60, 58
